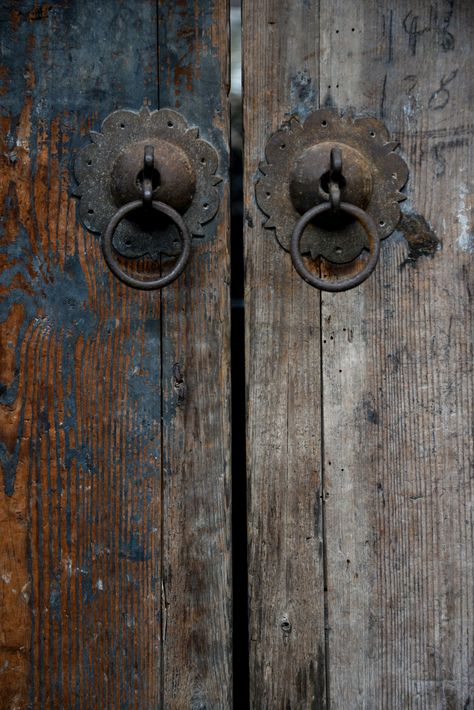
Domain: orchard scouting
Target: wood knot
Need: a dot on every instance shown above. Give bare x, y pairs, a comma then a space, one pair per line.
285, 626
178, 383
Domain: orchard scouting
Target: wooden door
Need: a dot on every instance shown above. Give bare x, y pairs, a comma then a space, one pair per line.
360, 415
114, 403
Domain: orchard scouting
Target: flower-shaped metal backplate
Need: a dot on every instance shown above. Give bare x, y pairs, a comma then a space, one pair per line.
297, 158
108, 175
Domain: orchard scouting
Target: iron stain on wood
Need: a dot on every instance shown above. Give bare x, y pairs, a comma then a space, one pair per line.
421, 238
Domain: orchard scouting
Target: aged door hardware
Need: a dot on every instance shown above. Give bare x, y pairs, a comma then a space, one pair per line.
330, 188
147, 183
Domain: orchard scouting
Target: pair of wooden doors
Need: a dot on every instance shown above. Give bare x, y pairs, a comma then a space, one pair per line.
115, 432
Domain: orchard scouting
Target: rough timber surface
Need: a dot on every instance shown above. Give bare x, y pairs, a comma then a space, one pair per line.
97, 469
194, 76
396, 372
286, 596
397, 375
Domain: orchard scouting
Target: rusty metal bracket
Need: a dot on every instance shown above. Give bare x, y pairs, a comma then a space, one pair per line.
152, 156
337, 160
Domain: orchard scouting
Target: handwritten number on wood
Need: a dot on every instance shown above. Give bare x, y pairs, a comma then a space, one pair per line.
440, 97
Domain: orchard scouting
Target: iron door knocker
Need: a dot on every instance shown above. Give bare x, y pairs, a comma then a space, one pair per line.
142, 166
331, 189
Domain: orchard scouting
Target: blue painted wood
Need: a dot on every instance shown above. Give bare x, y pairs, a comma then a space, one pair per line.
81, 413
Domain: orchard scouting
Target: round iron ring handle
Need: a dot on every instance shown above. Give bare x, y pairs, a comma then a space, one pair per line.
108, 249
343, 284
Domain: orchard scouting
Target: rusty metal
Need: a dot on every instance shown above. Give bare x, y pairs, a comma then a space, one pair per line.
109, 251
336, 179
148, 170
111, 173
370, 228
297, 176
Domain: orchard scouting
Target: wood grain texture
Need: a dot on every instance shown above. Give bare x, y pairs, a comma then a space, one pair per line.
197, 671
397, 374
286, 596
84, 525
396, 371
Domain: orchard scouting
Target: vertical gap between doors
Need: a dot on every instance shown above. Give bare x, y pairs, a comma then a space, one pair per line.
240, 651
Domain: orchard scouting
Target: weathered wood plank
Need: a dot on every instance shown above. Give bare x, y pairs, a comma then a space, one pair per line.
81, 419
397, 374
197, 672
80, 422
396, 359
287, 669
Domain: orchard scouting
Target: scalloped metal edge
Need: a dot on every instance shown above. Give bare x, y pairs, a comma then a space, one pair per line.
292, 138
95, 160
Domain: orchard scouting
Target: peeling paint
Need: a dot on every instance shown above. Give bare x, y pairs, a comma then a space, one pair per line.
303, 93
465, 240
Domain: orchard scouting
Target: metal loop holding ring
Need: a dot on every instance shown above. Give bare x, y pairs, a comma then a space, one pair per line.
343, 284
335, 176
148, 165
108, 249
335, 196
